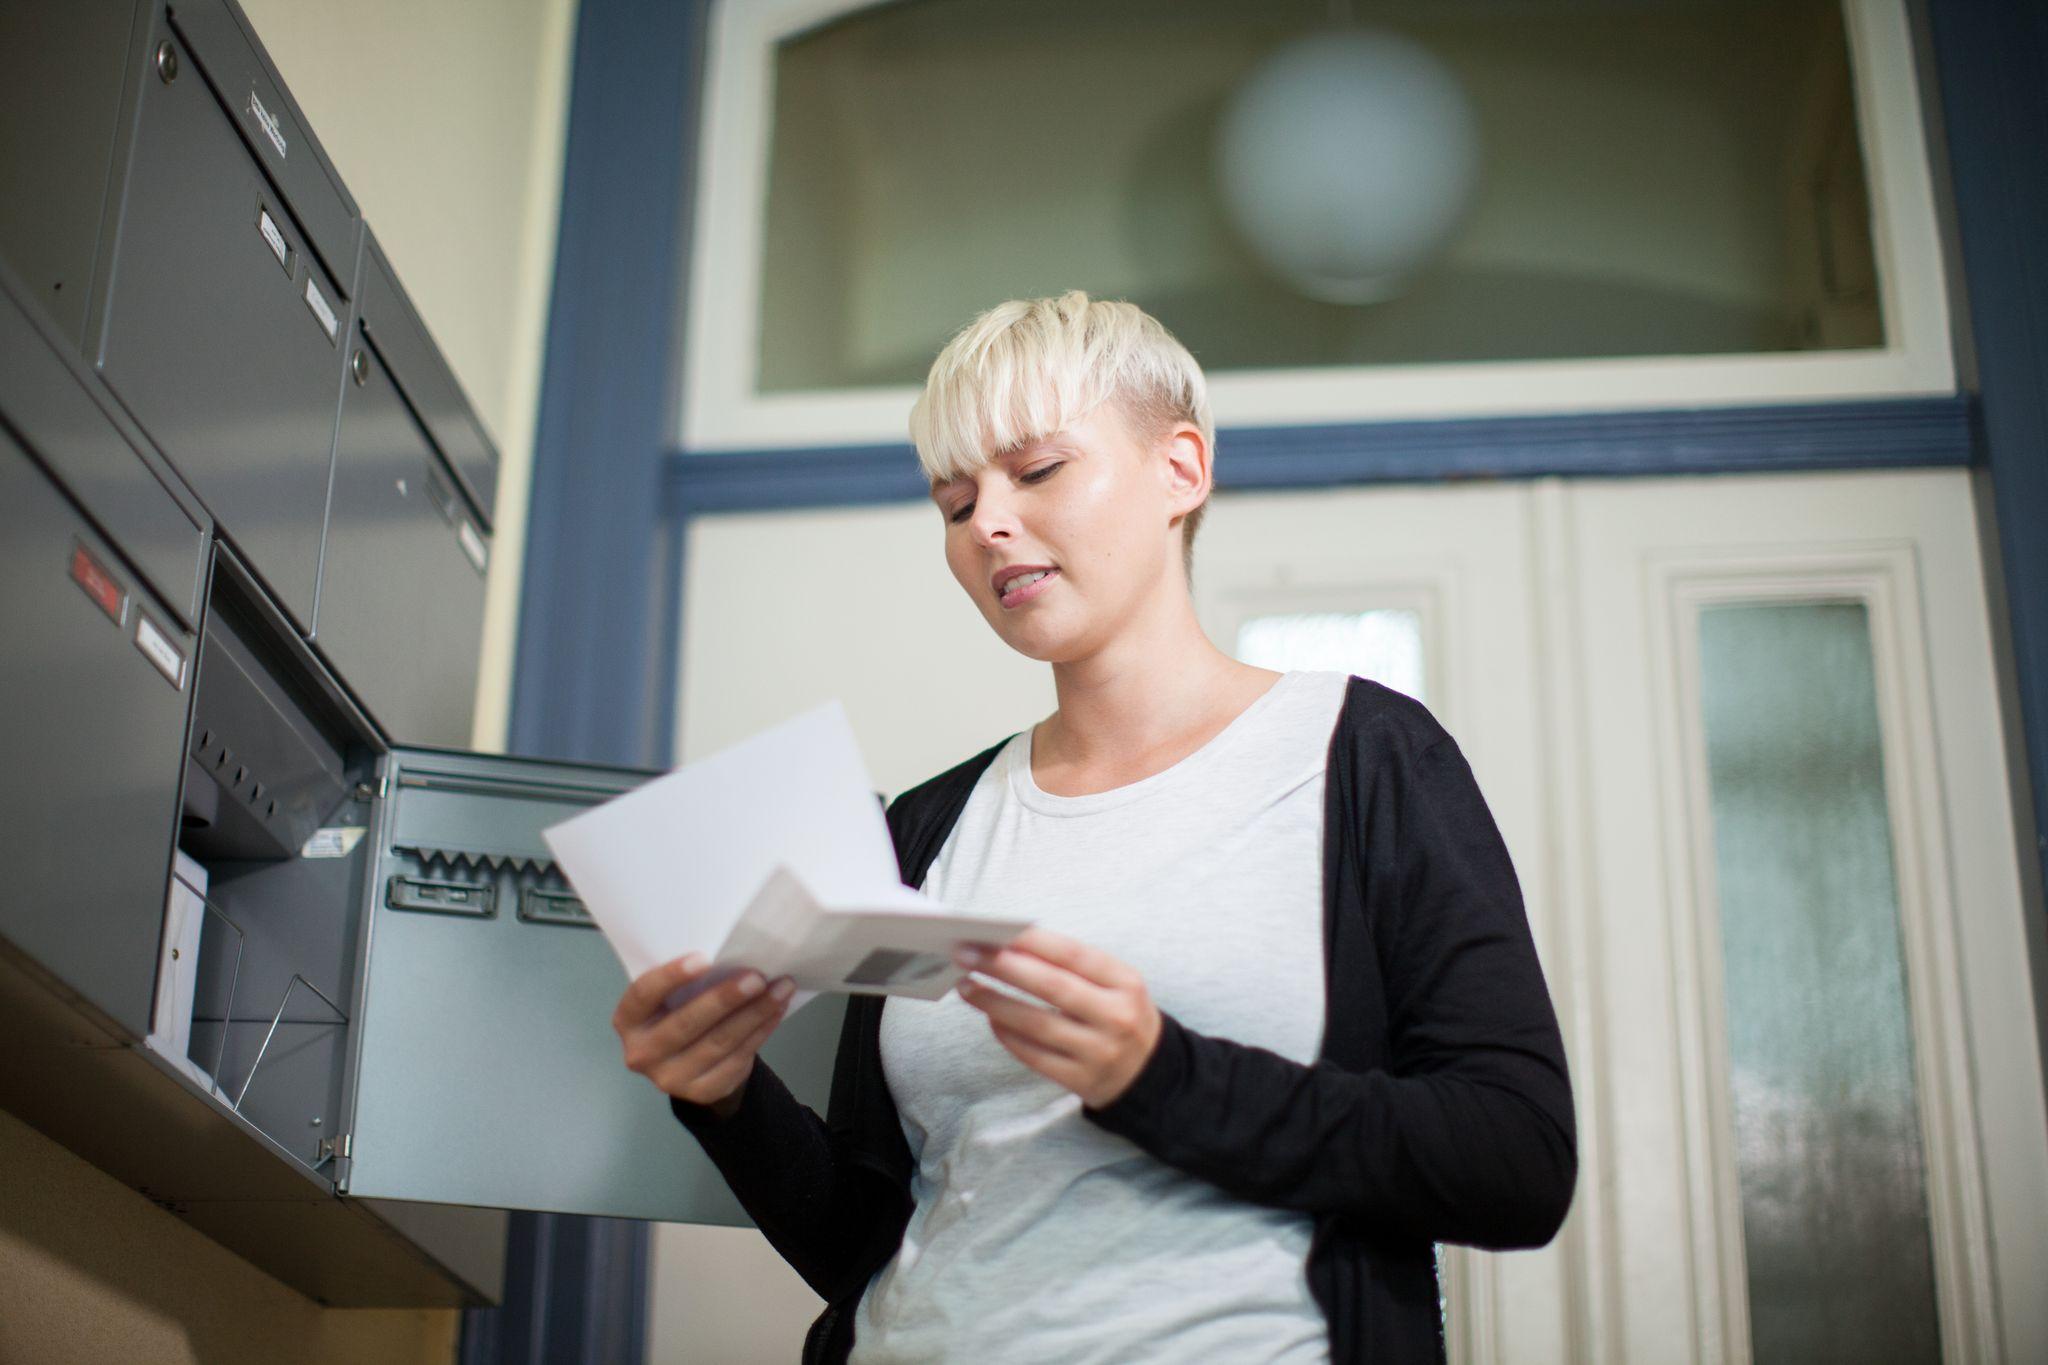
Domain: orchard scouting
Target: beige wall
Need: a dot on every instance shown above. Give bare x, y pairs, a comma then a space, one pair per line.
445, 119
91, 1273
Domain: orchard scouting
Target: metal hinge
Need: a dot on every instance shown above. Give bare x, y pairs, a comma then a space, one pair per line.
331, 1148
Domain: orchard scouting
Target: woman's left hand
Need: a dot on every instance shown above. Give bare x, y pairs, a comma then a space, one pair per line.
1098, 1025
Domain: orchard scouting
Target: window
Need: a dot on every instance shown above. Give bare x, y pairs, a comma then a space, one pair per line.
1695, 201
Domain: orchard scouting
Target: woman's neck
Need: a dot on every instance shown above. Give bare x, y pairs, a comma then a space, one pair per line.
1157, 694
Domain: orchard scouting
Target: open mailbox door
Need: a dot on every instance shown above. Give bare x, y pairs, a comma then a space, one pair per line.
486, 1071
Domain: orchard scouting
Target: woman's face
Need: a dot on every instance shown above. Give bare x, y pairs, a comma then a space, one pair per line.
1090, 507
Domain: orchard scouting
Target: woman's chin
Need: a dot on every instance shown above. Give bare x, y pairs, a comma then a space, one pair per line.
1047, 646
1045, 652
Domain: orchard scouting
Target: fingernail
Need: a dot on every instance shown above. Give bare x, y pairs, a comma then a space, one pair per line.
694, 962
751, 985
783, 989
968, 957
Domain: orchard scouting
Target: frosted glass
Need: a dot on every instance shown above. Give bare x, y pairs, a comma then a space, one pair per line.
1385, 645
1834, 1206
1655, 180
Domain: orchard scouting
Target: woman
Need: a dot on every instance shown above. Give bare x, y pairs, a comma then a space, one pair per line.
1280, 1025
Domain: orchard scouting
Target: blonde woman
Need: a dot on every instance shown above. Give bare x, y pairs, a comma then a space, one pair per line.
1280, 1026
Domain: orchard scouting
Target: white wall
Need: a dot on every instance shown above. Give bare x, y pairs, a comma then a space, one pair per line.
445, 120
785, 610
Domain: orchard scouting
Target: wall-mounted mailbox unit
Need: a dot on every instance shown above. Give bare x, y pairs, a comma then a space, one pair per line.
308, 983
400, 994
396, 1011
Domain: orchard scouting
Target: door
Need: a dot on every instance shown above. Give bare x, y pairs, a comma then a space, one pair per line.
97, 680
1812, 1090
1589, 644
402, 573
487, 1072
222, 331
1742, 738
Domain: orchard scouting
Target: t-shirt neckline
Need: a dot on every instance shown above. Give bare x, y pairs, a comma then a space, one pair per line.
1027, 790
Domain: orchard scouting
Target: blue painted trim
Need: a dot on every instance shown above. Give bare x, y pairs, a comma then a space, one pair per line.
1991, 64
1878, 434
590, 678
593, 676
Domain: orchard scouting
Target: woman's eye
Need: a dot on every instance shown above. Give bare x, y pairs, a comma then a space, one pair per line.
1038, 475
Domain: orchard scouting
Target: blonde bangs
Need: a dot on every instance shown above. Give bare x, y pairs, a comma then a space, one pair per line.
1028, 369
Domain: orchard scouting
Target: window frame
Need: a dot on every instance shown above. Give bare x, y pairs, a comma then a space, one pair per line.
721, 409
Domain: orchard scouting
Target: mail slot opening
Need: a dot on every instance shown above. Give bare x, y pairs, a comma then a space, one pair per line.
263, 913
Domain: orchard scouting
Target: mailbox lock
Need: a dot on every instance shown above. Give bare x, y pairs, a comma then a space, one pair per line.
359, 367
166, 61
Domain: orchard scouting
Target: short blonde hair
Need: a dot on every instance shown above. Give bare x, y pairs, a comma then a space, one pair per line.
1027, 369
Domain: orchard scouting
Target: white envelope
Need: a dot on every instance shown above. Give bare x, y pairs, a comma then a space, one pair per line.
901, 948
772, 854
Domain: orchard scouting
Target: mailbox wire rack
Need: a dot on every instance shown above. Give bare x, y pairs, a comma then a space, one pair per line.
219, 1090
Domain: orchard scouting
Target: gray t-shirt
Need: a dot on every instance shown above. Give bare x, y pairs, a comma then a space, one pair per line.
1038, 1236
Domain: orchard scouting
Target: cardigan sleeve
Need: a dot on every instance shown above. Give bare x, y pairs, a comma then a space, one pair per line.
818, 1206
1466, 1133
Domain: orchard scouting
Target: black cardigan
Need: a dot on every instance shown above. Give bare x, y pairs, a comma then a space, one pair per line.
1438, 1109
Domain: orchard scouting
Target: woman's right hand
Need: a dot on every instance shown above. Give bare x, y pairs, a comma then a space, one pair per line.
703, 1051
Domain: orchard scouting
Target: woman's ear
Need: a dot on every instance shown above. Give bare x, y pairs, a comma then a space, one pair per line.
1185, 465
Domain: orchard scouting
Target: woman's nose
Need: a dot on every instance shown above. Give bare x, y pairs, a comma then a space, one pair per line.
992, 521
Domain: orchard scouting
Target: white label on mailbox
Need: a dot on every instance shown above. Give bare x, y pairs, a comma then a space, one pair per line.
274, 237
267, 121
158, 649
335, 841
317, 301
472, 544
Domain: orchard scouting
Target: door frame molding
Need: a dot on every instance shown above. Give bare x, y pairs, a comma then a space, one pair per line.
1884, 579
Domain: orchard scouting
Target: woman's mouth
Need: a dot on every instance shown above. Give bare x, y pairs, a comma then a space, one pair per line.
1025, 586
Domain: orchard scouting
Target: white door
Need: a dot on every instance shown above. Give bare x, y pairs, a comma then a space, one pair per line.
1742, 738
1576, 638
1812, 1089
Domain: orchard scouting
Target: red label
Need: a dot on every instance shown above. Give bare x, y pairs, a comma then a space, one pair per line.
99, 585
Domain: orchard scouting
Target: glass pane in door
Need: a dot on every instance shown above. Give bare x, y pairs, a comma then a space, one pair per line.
1834, 1209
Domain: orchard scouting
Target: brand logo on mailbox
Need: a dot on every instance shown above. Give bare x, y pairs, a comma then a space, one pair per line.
268, 122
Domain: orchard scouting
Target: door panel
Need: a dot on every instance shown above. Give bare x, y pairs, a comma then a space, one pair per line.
1821, 1097
401, 601
1682, 1050
217, 334
97, 728
488, 1072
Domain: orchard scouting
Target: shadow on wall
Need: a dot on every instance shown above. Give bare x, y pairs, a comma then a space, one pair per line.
92, 1272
